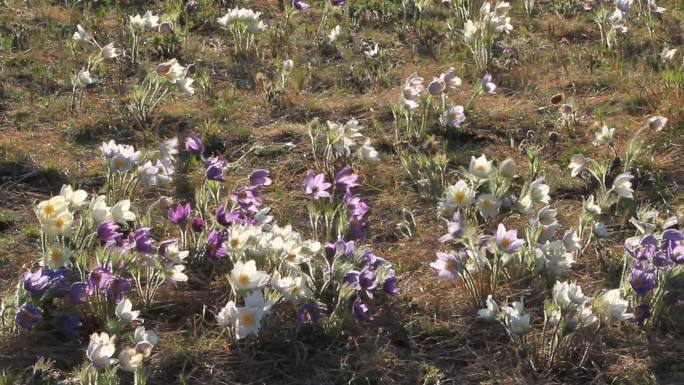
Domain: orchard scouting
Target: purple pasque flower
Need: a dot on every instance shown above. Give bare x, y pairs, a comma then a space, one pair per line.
68, 325
99, 279
77, 293
316, 186
191, 6
215, 248
28, 316
355, 205
338, 3
226, 218
508, 241
346, 249
363, 280
215, 168
390, 284
108, 233
194, 145
345, 180
677, 254
642, 312
180, 214
119, 287
487, 86
141, 240
361, 310
36, 282
645, 250
197, 225
309, 314
372, 260
301, 5
58, 283
455, 227
260, 177
248, 198
357, 227
642, 279
449, 265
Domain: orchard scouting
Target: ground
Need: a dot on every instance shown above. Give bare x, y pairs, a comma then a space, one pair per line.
429, 334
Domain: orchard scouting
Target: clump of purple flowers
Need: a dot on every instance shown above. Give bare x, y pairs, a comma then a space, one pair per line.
652, 275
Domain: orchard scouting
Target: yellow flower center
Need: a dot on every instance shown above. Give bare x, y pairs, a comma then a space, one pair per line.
59, 223
459, 196
56, 255
487, 204
48, 209
234, 243
291, 257
479, 167
451, 265
505, 242
248, 319
244, 279
119, 163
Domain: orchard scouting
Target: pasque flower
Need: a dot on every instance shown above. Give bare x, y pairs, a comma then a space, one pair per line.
245, 276
623, 186
180, 214
309, 314
449, 265
215, 247
361, 310
108, 233
346, 179
28, 316
455, 227
101, 349
642, 279
194, 145
215, 168
316, 186
260, 177
508, 241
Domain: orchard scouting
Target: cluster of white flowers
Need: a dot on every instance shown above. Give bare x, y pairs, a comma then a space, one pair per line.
102, 347
84, 77
287, 250
123, 158
514, 317
146, 21
347, 139
244, 16
176, 74
491, 22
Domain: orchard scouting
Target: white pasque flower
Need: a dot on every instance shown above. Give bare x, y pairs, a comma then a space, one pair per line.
245, 276
508, 168
480, 167
57, 256
109, 52
410, 93
130, 359
456, 195
571, 241
605, 136
292, 288
124, 311
657, 123
488, 205
490, 311
590, 206
245, 320
99, 211
623, 186
83, 78
75, 199
121, 212
577, 163
101, 349
334, 34
175, 273
611, 307
80, 34
539, 191
600, 230
51, 208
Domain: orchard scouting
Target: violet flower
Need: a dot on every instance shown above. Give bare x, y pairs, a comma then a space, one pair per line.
390, 284
346, 248
99, 279
345, 180
642, 312
77, 293
508, 241
449, 265
309, 314
180, 214
197, 225
338, 3
68, 325
215, 248
108, 233
361, 310
357, 228
119, 287
226, 218
260, 177
28, 316
248, 198
316, 186
36, 283
642, 279
355, 205
215, 168
301, 5
141, 240
194, 145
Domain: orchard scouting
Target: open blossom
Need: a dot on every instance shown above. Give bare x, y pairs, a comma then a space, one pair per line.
577, 163
316, 186
449, 265
361, 310
80, 34
539, 191
454, 116
334, 34
130, 359
101, 349
480, 167
623, 185
56, 256
109, 52
245, 276
180, 214
568, 295
642, 279
611, 307
455, 227
571, 241
245, 320
508, 241
74, 199
517, 320
215, 168
488, 205
590, 206
124, 311
28, 316
605, 136
215, 248
451, 81
194, 145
